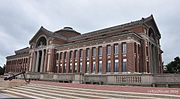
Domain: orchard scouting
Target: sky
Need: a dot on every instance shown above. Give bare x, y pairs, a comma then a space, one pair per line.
21, 19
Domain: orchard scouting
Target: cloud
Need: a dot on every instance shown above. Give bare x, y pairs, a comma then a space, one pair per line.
21, 19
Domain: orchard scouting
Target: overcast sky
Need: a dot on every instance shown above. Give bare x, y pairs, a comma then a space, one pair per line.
21, 19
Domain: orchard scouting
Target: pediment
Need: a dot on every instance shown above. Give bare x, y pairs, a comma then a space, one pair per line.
152, 24
41, 31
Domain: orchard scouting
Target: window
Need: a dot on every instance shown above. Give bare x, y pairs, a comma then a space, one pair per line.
108, 66
135, 48
94, 67
80, 53
57, 55
87, 67
124, 48
94, 51
65, 55
116, 51
76, 54
60, 67
75, 68
116, 66
146, 51
100, 50
70, 54
80, 67
87, 52
109, 50
65, 68
124, 65
70, 68
100, 66
60, 55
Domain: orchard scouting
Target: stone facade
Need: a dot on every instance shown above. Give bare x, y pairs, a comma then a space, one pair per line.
128, 48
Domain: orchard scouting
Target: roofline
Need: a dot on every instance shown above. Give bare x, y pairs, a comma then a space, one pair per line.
132, 23
41, 29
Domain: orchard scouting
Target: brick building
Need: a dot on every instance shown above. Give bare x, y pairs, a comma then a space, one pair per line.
131, 48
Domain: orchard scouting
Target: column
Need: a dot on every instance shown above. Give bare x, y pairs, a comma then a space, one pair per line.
37, 61
112, 58
104, 57
120, 57
34, 61
48, 59
45, 61
137, 53
97, 59
84, 61
73, 58
67, 62
90, 60
63, 61
42, 61
78, 62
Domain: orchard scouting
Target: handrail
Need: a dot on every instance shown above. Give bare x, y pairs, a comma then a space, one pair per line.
13, 77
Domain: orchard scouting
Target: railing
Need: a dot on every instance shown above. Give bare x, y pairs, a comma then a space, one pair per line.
136, 79
16, 75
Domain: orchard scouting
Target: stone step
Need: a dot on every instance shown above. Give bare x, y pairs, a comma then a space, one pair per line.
59, 93
44, 91
106, 92
82, 92
38, 94
22, 95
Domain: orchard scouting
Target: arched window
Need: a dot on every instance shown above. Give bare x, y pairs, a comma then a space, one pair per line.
151, 33
41, 42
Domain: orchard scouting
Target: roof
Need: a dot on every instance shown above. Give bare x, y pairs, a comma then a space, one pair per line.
48, 33
104, 31
57, 34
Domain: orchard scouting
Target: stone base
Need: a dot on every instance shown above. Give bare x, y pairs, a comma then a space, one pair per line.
77, 82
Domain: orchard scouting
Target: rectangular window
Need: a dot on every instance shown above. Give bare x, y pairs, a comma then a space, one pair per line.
70, 54
100, 66
76, 54
109, 50
80, 53
61, 56
65, 55
146, 51
75, 68
87, 67
65, 68
70, 68
80, 67
100, 50
108, 66
116, 66
135, 48
94, 51
57, 55
116, 49
87, 52
60, 68
124, 65
94, 67
124, 48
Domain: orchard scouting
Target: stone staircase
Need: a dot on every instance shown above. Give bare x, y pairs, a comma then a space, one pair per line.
44, 91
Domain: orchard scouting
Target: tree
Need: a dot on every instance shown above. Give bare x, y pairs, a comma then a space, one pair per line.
1, 70
173, 66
